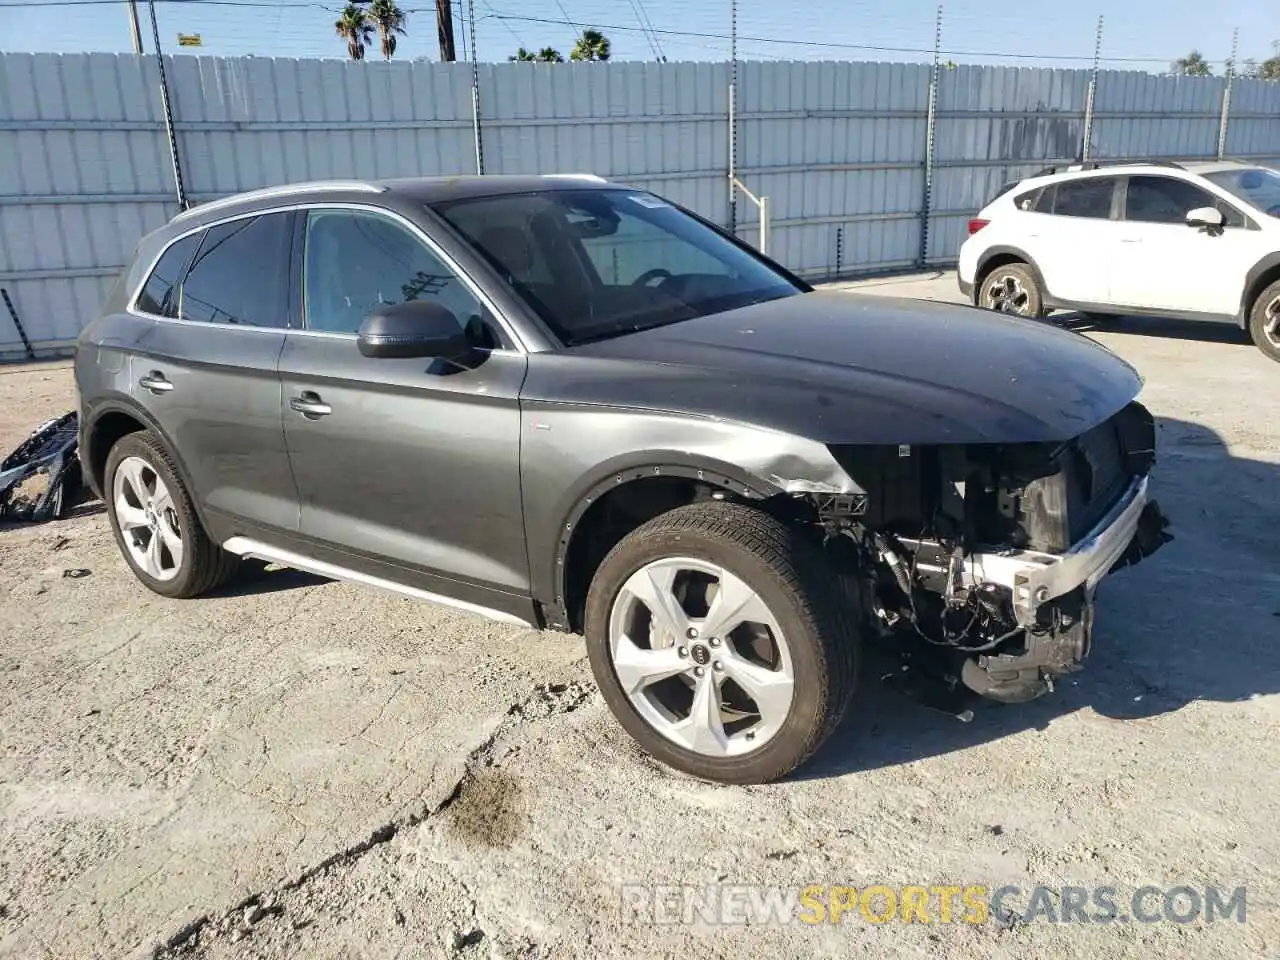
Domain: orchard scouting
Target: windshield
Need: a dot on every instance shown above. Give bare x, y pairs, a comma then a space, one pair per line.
1258, 186
599, 263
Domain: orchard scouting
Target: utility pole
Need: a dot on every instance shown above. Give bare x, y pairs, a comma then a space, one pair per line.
444, 25
133, 26
1226, 94
1091, 97
930, 130
168, 112
475, 87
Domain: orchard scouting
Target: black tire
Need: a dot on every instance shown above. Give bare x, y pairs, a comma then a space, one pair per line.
1012, 276
205, 565
787, 572
1265, 311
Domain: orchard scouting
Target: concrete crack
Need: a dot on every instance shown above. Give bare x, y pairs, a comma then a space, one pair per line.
545, 701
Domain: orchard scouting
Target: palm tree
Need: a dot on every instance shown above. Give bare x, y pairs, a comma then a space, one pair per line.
592, 45
523, 56
354, 28
389, 20
551, 55
1192, 65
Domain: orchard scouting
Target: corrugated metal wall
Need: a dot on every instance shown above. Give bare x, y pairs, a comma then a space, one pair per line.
839, 148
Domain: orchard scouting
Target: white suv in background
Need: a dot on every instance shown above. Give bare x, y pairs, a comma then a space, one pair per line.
1194, 241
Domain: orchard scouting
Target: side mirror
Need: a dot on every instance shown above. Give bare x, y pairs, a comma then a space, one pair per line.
418, 328
1205, 217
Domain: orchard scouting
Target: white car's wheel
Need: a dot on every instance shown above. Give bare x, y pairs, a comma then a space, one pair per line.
1264, 321
1012, 288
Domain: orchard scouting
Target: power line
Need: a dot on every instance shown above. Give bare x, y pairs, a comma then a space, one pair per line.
703, 35
828, 44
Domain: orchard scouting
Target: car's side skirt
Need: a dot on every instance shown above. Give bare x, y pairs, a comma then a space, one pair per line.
246, 547
1057, 303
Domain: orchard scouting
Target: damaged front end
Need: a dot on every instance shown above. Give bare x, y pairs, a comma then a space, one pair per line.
979, 563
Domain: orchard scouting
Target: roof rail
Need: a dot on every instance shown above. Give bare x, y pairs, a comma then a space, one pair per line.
1099, 164
284, 190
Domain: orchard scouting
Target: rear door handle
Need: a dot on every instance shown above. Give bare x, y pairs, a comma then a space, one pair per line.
155, 382
310, 405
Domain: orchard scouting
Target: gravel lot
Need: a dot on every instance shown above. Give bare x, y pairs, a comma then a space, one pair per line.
297, 767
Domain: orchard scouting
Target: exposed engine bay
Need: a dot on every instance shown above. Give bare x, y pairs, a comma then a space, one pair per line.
984, 559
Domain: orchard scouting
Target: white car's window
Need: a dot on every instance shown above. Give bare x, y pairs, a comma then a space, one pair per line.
1168, 200
1258, 186
1084, 198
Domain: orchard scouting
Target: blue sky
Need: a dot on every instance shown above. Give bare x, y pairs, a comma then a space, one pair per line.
1138, 34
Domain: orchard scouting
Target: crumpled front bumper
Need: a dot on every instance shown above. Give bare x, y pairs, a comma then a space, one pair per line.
1053, 596
1036, 578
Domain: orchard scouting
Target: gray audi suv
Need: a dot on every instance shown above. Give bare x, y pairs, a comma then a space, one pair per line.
571, 404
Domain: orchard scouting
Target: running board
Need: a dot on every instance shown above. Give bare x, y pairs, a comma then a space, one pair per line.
244, 547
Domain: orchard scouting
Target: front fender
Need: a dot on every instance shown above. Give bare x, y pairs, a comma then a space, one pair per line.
572, 456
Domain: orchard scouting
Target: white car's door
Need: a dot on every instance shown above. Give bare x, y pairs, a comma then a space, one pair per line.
1072, 238
1166, 264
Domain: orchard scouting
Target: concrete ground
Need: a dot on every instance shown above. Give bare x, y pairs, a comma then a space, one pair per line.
302, 768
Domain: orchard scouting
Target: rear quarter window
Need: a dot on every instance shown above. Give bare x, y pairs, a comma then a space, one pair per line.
159, 295
1029, 199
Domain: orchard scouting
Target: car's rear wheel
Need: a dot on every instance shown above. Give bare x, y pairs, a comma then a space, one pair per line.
1012, 288
719, 644
155, 523
1264, 321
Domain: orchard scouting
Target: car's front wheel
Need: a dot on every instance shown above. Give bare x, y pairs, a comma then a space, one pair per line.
1012, 288
155, 523
719, 643
1264, 321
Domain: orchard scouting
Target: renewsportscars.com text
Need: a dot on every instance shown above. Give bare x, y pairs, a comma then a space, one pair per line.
815, 904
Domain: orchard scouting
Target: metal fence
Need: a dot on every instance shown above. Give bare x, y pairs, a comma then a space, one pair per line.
868, 167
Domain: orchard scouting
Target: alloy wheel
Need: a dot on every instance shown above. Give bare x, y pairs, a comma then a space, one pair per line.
1006, 294
700, 657
148, 519
1271, 323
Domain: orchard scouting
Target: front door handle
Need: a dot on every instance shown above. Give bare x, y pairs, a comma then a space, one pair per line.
310, 405
155, 382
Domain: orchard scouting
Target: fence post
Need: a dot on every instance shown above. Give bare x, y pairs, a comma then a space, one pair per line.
733, 116
168, 112
1226, 95
931, 119
1087, 142
764, 225
475, 88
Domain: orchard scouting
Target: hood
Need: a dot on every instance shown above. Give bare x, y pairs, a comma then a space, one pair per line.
839, 367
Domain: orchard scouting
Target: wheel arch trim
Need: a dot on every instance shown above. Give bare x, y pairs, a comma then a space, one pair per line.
1254, 283
120, 403
631, 468
1007, 250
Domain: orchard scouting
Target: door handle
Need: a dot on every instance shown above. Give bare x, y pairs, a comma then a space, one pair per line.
155, 382
310, 405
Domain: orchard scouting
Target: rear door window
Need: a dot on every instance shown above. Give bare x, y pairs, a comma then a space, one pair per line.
240, 274
159, 295
1169, 200
1089, 198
